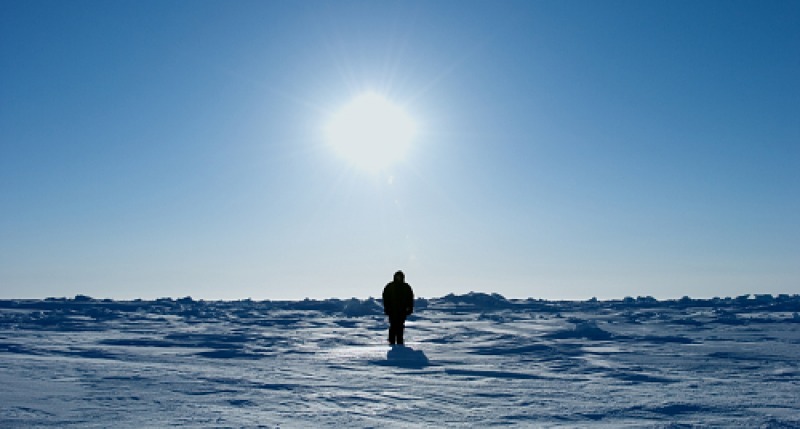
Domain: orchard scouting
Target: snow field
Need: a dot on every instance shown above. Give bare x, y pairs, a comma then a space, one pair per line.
471, 361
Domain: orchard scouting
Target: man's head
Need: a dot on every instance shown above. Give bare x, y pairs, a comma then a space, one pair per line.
399, 277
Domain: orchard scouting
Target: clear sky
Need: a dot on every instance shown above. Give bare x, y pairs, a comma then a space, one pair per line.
563, 149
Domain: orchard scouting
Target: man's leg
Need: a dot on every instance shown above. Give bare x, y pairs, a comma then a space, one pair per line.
401, 326
392, 330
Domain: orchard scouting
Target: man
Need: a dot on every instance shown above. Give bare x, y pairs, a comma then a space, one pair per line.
398, 302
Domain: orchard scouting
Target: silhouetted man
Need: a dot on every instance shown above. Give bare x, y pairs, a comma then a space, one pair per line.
398, 302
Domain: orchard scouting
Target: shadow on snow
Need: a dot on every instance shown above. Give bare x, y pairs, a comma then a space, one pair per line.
404, 357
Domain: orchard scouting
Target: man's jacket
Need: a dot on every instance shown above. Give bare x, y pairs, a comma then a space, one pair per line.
398, 298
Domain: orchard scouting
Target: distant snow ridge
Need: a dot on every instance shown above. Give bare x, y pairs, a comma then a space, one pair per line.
476, 300
358, 308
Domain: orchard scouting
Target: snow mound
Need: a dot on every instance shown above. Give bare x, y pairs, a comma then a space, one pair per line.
359, 308
582, 330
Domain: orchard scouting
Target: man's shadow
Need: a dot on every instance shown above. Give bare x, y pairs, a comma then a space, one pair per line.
406, 357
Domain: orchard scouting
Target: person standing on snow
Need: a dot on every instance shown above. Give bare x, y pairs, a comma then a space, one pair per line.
398, 303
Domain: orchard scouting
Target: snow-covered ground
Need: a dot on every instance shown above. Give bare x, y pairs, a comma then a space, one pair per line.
475, 360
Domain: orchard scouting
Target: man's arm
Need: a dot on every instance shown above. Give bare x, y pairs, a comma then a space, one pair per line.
385, 300
410, 303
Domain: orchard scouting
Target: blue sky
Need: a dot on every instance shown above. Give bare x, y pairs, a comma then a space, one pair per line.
566, 149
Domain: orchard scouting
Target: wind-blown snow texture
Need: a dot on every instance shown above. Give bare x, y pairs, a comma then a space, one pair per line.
472, 361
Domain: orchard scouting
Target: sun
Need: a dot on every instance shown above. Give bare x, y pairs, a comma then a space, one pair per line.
371, 132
